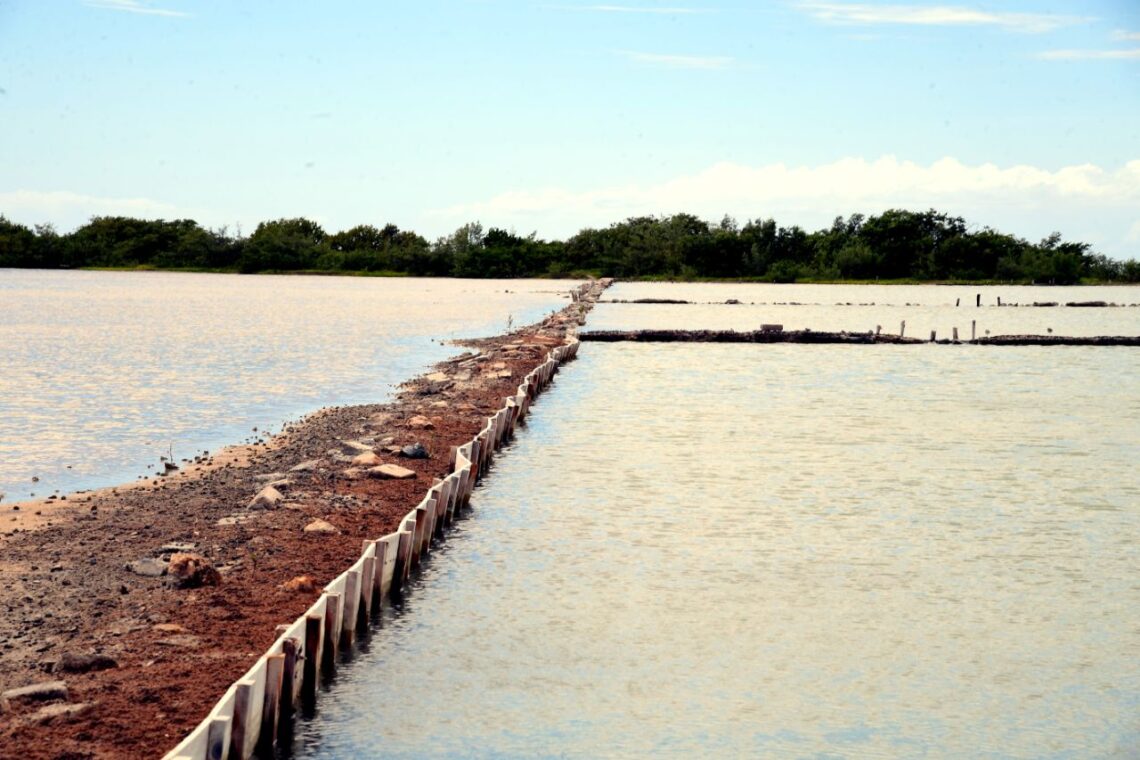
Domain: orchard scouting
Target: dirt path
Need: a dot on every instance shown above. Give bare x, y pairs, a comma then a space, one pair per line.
143, 661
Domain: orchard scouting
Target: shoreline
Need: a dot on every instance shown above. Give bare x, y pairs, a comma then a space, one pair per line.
142, 660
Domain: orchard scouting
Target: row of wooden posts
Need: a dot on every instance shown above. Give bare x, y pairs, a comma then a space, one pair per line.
248, 719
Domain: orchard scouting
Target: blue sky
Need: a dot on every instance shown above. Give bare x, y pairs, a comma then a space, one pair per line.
552, 116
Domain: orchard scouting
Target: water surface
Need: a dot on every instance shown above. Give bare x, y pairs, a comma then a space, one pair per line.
101, 373
787, 551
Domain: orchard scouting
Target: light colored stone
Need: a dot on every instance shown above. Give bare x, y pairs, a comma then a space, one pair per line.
62, 712
352, 473
505, 374
367, 459
354, 447
392, 472
237, 519
308, 466
267, 498
321, 526
498, 365
148, 567
420, 422
180, 641
48, 691
169, 628
437, 377
269, 477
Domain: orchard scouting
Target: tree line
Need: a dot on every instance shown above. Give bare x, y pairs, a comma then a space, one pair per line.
895, 245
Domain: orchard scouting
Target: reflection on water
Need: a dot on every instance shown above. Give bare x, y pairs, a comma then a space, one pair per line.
859, 308
792, 551
102, 372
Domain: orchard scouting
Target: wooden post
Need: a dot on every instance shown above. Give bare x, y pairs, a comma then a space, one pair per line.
933, 335
403, 560
902, 328
331, 638
367, 588
246, 722
955, 334
999, 300
311, 669
979, 302
271, 704
218, 738
290, 675
957, 301
350, 605
973, 330
381, 563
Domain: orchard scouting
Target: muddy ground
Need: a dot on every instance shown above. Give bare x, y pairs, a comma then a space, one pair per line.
144, 660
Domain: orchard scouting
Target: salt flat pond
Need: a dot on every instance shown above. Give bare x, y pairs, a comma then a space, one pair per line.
781, 550
102, 372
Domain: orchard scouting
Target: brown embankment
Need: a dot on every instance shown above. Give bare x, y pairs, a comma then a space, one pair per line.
864, 338
142, 660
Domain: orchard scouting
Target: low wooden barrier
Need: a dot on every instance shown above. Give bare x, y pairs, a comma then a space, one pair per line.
247, 720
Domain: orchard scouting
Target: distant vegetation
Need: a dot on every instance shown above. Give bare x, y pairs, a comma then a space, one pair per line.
894, 245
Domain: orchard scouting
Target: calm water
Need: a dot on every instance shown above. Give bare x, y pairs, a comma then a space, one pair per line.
785, 551
101, 372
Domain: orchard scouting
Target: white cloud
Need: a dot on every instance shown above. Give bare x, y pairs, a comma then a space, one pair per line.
134, 6
68, 210
706, 63
1086, 201
935, 15
628, 9
1090, 55
1125, 36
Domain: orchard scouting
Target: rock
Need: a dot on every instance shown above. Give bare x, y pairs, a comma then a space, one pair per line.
282, 485
440, 404
367, 459
49, 691
505, 374
498, 365
237, 519
300, 584
436, 377
169, 628
352, 473
308, 466
62, 712
267, 498
85, 663
420, 422
148, 567
354, 447
415, 451
391, 472
321, 526
180, 641
387, 440
193, 570
269, 477
393, 449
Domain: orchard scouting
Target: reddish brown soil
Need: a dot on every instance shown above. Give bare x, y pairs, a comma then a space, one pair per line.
65, 589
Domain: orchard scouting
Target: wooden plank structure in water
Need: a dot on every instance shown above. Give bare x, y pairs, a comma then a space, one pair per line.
768, 335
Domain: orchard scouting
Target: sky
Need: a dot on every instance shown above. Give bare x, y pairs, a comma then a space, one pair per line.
547, 117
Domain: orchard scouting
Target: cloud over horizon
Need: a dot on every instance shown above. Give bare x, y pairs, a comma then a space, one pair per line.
1086, 201
935, 15
134, 6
